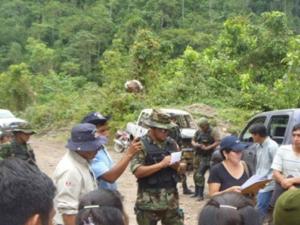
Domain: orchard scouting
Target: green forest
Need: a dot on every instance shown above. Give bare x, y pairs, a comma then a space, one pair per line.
60, 59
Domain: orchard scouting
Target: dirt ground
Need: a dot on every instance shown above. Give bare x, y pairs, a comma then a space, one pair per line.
49, 151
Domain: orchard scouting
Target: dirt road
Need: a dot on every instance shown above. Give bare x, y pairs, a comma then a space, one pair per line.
49, 151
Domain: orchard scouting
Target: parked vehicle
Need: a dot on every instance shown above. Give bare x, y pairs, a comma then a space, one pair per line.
121, 141
279, 124
7, 118
185, 121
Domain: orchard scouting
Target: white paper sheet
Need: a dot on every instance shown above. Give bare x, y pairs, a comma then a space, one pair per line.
252, 180
175, 157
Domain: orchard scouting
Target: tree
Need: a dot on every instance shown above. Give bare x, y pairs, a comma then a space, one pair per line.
40, 57
15, 88
146, 57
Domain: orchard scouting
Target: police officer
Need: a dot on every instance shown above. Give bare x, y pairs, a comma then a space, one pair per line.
157, 197
205, 140
19, 146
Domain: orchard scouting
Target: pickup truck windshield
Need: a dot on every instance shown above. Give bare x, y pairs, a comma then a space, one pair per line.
5, 114
184, 121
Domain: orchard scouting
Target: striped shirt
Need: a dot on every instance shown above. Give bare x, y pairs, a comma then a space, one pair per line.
287, 161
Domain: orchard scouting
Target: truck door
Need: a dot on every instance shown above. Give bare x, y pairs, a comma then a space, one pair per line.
249, 155
277, 128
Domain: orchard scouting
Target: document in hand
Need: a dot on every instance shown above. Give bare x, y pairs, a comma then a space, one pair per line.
254, 183
175, 157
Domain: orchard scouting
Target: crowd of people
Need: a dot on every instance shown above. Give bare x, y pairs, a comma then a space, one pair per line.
83, 190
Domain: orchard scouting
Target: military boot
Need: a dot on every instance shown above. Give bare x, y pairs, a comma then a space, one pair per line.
196, 194
186, 190
200, 195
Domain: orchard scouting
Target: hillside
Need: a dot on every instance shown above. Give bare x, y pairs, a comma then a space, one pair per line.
60, 59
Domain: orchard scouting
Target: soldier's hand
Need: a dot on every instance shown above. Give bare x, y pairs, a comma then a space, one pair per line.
205, 148
175, 166
182, 167
200, 146
134, 147
166, 161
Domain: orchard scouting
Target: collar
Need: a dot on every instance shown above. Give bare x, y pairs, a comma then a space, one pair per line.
14, 140
208, 131
151, 141
78, 158
265, 142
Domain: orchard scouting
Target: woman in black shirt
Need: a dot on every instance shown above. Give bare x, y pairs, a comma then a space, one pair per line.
231, 173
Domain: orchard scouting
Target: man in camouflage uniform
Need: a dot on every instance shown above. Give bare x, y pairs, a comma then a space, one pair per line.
205, 140
176, 135
19, 146
5, 136
157, 197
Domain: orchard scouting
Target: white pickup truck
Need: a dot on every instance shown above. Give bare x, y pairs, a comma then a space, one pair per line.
7, 118
184, 120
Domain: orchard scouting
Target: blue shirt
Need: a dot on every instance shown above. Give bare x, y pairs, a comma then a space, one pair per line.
101, 164
265, 154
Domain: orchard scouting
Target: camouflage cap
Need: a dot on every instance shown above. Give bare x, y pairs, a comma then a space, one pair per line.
159, 119
22, 127
202, 121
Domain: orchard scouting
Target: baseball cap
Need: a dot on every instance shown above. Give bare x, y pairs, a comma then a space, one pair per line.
95, 118
232, 142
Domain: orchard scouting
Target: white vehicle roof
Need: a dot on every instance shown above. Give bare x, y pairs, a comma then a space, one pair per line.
6, 113
6, 118
174, 111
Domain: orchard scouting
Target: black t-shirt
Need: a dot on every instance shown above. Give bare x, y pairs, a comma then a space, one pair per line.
219, 174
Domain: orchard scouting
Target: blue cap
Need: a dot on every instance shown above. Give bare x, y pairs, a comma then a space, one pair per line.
233, 143
95, 118
83, 138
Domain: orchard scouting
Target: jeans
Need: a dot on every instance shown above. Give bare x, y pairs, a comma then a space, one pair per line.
263, 204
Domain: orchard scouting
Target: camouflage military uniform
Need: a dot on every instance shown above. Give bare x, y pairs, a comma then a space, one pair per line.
202, 158
22, 151
155, 204
16, 149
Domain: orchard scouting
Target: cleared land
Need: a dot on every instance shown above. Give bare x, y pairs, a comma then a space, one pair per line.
49, 151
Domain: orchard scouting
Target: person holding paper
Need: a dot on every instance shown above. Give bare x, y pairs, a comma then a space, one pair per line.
265, 149
157, 197
231, 173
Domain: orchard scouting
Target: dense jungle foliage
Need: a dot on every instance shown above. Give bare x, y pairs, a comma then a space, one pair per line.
60, 59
